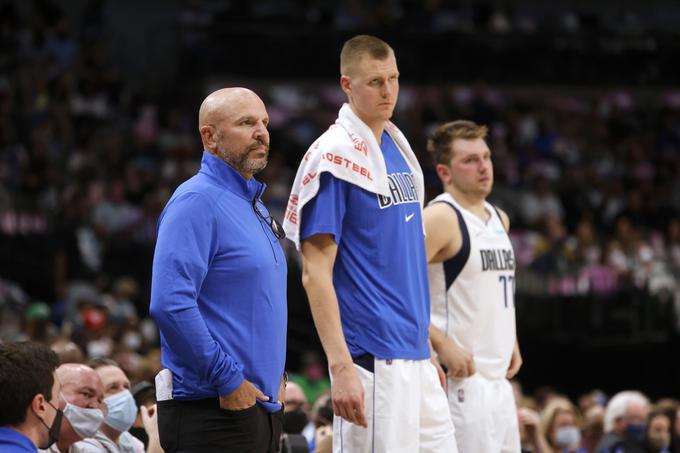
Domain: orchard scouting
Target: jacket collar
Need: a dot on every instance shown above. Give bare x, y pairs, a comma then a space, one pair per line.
223, 174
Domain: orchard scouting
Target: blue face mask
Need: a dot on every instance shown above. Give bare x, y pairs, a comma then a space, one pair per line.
122, 411
636, 432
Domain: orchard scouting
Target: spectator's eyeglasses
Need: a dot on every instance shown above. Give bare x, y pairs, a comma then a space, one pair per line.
276, 227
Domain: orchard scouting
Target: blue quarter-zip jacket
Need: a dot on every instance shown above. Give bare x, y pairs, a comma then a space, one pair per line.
218, 291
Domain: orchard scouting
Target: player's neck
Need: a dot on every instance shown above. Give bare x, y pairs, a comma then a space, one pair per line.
111, 433
377, 132
472, 203
376, 126
32, 431
377, 129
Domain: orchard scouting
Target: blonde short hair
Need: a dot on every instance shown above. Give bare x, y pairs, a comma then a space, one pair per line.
355, 48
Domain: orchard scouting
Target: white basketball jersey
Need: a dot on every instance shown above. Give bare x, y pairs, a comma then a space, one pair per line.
472, 293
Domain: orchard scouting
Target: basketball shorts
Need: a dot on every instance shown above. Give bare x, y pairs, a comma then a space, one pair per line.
484, 414
406, 411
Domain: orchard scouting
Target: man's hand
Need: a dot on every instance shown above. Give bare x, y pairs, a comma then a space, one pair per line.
530, 424
440, 372
245, 396
435, 361
458, 362
149, 420
324, 439
347, 394
515, 362
530, 420
150, 423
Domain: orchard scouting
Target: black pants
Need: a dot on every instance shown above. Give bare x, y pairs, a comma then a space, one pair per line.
202, 426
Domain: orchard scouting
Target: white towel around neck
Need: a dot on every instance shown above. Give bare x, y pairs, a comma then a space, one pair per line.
349, 151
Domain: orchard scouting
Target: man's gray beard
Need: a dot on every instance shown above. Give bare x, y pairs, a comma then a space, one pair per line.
243, 163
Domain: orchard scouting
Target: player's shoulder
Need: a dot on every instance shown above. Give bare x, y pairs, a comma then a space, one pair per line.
190, 200
441, 207
440, 214
504, 217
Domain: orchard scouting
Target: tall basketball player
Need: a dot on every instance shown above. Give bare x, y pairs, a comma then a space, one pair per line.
472, 281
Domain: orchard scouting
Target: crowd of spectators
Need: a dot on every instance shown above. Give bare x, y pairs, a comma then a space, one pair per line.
86, 164
88, 159
549, 421
625, 422
440, 16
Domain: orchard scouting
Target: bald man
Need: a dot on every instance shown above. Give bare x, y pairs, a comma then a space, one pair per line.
81, 398
218, 291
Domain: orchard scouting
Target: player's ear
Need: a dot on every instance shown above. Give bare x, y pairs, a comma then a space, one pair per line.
444, 173
209, 136
345, 85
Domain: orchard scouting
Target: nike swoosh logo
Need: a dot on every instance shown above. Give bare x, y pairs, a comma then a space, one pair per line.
408, 217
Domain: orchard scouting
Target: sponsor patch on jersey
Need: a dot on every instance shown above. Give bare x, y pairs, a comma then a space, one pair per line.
461, 395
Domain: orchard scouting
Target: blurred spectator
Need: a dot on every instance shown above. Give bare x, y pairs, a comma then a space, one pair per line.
676, 432
296, 409
591, 399
312, 377
29, 397
319, 433
551, 250
68, 351
593, 427
144, 393
543, 395
658, 433
38, 326
531, 435
539, 202
624, 423
81, 401
559, 427
113, 435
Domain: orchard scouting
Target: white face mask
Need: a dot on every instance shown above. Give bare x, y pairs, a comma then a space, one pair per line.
122, 411
85, 421
568, 437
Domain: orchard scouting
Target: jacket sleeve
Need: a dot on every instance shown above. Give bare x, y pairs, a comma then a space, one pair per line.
187, 242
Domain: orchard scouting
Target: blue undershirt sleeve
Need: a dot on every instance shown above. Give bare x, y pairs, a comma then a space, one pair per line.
324, 213
187, 242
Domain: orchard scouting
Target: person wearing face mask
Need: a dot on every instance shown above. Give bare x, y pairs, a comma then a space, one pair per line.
295, 409
624, 423
29, 397
113, 435
80, 400
559, 427
658, 435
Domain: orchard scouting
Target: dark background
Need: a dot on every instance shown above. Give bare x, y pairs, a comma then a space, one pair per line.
101, 96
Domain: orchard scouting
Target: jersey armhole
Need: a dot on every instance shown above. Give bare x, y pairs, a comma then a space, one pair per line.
454, 265
500, 217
